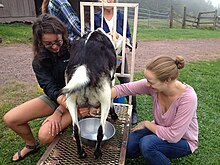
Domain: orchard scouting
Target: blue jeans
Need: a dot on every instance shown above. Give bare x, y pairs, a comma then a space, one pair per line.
155, 150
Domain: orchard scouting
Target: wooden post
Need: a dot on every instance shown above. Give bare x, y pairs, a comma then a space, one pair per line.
171, 16
198, 21
215, 19
184, 18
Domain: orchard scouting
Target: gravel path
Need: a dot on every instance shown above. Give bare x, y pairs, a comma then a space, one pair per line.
15, 60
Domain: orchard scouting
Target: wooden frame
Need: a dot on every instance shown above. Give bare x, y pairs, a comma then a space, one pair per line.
92, 5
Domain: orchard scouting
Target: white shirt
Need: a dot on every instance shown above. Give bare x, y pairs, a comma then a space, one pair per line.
110, 24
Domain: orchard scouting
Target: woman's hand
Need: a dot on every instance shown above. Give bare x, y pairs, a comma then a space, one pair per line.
139, 126
62, 100
145, 124
86, 111
54, 122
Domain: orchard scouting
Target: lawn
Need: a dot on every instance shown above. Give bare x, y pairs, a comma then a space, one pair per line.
21, 33
203, 76
15, 33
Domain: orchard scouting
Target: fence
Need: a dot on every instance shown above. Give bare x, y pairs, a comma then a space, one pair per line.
17, 10
204, 19
207, 19
151, 18
155, 19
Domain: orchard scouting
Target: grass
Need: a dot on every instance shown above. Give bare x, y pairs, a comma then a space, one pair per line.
203, 76
176, 34
15, 33
21, 33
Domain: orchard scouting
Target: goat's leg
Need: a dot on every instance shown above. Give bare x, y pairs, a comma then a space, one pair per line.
105, 106
98, 152
71, 104
114, 116
112, 112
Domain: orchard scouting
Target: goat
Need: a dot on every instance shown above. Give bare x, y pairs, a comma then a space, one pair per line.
89, 75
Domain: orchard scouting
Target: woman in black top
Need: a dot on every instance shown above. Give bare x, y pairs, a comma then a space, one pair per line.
51, 56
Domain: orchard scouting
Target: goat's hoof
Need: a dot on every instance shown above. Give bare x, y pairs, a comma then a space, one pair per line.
82, 154
97, 154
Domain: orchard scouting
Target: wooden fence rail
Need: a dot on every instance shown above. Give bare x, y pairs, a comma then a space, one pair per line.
204, 19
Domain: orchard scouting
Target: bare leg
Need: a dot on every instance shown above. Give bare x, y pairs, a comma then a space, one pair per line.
43, 133
17, 119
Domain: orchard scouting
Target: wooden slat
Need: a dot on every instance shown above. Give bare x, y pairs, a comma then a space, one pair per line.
110, 4
1, 8
17, 10
6, 12
20, 8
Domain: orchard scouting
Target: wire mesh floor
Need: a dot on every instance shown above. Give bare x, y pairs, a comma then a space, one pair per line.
63, 149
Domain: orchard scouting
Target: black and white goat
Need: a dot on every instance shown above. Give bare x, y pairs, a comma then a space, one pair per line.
89, 77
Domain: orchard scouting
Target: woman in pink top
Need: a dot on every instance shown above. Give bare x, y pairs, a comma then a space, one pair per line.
173, 133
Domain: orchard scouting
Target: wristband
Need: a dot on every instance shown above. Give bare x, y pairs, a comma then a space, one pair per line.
60, 111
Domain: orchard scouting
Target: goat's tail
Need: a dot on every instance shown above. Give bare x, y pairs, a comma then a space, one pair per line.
78, 80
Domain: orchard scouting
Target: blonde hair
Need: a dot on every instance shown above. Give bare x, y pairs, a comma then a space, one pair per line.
165, 67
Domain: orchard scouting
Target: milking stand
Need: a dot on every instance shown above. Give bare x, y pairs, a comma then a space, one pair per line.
63, 149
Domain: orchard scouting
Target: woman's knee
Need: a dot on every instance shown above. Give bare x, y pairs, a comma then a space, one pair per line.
10, 120
132, 146
148, 143
44, 136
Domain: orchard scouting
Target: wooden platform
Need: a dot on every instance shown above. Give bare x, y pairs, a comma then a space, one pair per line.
63, 149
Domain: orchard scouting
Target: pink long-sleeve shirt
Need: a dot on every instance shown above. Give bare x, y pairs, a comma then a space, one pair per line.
180, 121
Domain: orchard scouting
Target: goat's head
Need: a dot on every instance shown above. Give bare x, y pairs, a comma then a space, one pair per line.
117, 40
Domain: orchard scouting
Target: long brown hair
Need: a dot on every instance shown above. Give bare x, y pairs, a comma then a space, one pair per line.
46, 23
44, 6
165, 67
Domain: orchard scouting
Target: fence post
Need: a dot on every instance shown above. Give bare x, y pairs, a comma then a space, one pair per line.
171, 16
184, 18
198, 21
215, 19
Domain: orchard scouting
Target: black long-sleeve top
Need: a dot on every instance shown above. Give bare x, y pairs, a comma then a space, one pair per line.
49, 69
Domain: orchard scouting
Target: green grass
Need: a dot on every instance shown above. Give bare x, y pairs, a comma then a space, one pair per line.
21, 33
176, 34
15, 33
203, 76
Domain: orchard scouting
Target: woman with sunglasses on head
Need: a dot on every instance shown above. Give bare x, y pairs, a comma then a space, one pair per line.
50, 46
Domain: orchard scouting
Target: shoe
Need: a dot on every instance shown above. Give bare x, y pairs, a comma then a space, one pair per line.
134, 118
34, 149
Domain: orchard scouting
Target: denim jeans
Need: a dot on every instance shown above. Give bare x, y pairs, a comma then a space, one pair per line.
155, 150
